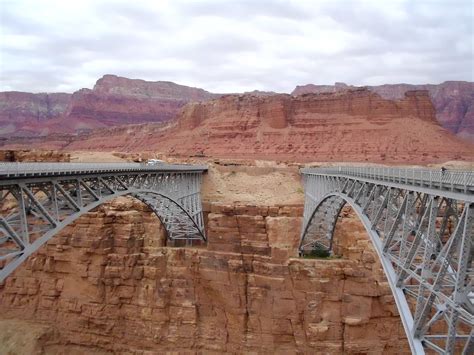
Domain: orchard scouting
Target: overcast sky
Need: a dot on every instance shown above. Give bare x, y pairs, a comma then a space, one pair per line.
234, 46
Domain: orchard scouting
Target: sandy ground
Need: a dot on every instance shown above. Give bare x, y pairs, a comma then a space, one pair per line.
258, 185
95, 157
110, 157
21, 337
18, 337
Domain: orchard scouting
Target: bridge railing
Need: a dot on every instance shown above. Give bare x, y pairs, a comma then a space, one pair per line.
8, 169
452, 180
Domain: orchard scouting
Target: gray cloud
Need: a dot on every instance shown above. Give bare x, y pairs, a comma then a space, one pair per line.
231, 46
245, 9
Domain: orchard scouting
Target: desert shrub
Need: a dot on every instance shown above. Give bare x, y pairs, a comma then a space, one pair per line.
318, 252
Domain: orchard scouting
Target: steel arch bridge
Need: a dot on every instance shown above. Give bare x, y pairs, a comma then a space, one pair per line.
421, 223
37, 200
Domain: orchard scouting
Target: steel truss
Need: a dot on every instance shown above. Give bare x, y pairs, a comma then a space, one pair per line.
423, 233
35, 207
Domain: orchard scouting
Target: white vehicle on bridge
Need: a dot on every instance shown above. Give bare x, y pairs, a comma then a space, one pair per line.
154, 162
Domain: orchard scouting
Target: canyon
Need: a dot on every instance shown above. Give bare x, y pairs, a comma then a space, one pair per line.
110, 284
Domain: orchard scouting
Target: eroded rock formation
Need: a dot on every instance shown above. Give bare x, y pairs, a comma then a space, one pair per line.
453, 101
113, 101
34, 156
116, 100
107, 284
26, 114
355, 125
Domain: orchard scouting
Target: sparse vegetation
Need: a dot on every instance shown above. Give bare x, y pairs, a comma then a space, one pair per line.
330, 257
318, 252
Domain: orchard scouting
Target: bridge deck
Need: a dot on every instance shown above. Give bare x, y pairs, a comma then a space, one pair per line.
22, 170
456, 181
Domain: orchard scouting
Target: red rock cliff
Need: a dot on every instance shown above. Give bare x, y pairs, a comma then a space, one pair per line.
117, 101
113, 101
278, 111
106, 284
22, 113
354, 125
453, 101
347, 125
116, 85
117, 109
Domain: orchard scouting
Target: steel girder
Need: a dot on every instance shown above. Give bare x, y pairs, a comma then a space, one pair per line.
35, 208
424, 237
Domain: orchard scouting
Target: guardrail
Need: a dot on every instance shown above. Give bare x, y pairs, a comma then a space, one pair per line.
9, 170
451, 180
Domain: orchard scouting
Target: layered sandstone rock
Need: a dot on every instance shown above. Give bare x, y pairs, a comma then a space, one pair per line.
23, 113
113, 101
354, 125
116, 85
108, 284
117, 100
110, 110
350, 125
271, 231
34, 156
453, 101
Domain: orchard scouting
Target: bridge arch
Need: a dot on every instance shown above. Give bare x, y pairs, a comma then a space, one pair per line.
43, 206
321, 233
168, 211
425, 242
322, 223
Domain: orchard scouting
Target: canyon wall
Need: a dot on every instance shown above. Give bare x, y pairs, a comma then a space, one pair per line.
107, 284
25, 114
354, 125
34, 156
453, 101
113, 101
347, 125
280, 111
111, 110
116, 85
116, 100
